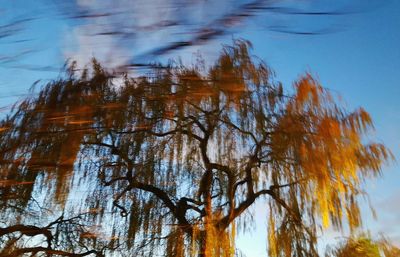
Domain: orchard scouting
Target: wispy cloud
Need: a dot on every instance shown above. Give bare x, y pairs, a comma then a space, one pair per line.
118, 31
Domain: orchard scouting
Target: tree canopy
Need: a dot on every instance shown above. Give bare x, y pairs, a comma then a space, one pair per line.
171, 162
364, 246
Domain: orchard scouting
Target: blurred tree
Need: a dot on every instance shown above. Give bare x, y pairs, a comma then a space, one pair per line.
364, 246
357, 247
170, 163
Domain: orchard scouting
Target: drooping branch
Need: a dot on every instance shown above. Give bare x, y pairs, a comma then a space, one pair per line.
51, 238
163, 196
28, 230
35, 250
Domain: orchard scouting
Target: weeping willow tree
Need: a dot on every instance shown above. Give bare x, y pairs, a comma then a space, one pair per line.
171, 162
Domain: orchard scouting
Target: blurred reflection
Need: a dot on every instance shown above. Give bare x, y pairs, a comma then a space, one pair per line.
124, 33
174, 161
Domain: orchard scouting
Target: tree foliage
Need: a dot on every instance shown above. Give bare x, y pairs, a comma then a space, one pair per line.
171, 162
364, 246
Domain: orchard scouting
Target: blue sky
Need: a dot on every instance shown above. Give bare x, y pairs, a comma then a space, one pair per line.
358, 57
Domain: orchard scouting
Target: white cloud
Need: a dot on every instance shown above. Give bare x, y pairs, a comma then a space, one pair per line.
121, 29
82, 47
